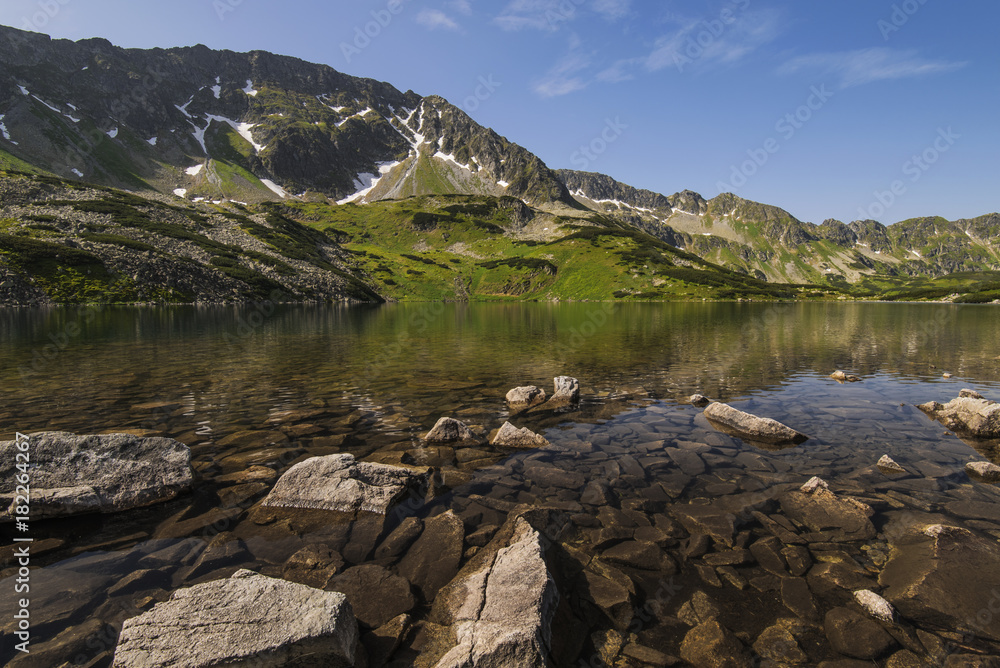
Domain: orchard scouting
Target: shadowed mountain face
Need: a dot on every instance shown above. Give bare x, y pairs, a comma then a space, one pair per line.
244, 126
198, 124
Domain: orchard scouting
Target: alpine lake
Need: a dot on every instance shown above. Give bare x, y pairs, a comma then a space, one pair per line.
632, 465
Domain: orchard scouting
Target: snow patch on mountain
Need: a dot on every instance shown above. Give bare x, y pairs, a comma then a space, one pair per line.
249, 90
367, 182
24, 91
448, 157
194, 171
242, 128
112, 132
180, 192
275, 188
217, 91
151, 141
77, 172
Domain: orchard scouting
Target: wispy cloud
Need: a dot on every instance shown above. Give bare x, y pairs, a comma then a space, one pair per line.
862, 66
435, 19
550, 15
707, 42
612, 9
565, 77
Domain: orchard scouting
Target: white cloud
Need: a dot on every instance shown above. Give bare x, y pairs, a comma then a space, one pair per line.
434, 19
862, 66
612, 9
707, 42
551, 15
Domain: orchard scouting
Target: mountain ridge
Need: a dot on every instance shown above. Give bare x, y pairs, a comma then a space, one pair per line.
218, 126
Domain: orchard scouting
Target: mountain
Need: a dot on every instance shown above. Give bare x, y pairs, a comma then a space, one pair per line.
250, 126
244, 174
772, 244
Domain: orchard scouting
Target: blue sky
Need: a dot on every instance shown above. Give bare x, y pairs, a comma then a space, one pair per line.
849, 109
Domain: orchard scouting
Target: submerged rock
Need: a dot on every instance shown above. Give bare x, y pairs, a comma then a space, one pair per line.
510, 436
449, 430
842, 377
875, 605
523, 398
338, 482
248, 619
711, 645
854, 635
104, 473
815, 506
978, 418
888, 466
699, 400
945, 576
501, 605
756, 428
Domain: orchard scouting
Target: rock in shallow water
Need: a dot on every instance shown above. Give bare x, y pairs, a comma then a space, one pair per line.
978, 418
522, 398
888, 466
755, 428
248, 619
510, 436
94, 474
501, 606
945, 576
450, 430
338, 482
983, 471
822, 510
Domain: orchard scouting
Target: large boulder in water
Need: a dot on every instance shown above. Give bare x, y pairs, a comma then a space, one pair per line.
248, 619
523, 398
967, 415
764, 430
501, 605
339, 483
816, 507
106, 473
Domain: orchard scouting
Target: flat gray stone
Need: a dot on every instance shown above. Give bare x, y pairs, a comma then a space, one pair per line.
106, 473
339, 483
751, 426
248, 619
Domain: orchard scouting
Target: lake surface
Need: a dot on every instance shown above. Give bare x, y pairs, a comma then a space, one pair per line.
272, 385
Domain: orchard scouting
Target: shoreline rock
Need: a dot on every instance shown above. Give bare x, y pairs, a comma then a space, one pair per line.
976, 417
755, 428
522, 398
105, 473
339, 483
247, 619
843, 377
501, 606
450, 430
510, 436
